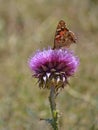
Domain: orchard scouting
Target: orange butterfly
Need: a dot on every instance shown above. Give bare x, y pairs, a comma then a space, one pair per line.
63, 36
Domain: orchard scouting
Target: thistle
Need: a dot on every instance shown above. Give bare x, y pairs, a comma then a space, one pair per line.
53, 68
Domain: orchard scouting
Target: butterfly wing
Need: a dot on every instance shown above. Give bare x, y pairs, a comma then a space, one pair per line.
63, 36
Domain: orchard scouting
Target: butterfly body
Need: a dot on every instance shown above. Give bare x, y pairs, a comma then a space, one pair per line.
63, 36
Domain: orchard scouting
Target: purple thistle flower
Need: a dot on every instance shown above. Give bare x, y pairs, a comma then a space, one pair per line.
53, 67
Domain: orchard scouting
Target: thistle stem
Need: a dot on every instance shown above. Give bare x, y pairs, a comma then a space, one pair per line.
54, 112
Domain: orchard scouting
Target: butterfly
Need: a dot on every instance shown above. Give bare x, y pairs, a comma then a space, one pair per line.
63, 36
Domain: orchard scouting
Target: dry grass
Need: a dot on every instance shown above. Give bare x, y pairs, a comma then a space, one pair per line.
26, 26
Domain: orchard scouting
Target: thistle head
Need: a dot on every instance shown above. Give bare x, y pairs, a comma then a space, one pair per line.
53, 67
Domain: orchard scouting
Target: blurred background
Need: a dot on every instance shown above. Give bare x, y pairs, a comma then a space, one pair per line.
28, 25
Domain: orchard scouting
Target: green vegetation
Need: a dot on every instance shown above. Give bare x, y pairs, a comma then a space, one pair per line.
26, 26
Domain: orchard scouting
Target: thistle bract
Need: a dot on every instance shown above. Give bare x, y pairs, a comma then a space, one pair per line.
53, 67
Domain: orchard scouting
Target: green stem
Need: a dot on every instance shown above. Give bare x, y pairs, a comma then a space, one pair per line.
54, 112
